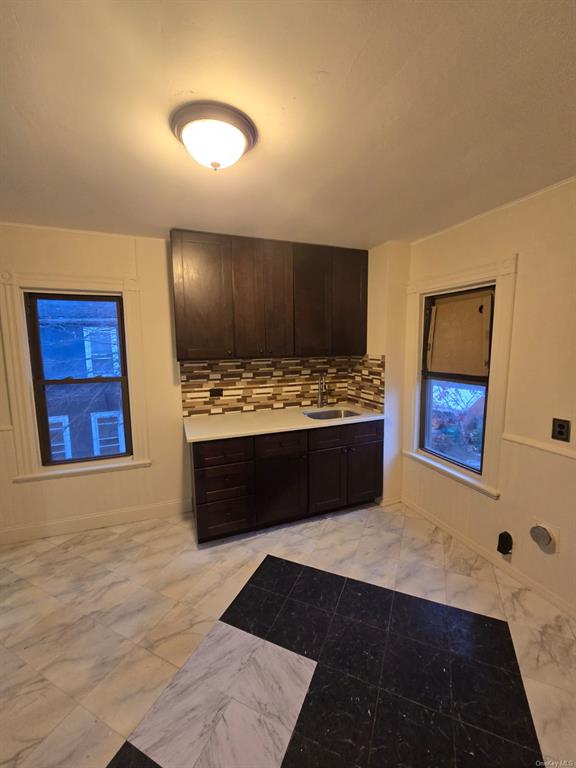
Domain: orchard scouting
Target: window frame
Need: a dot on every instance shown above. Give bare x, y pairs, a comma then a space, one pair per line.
40, 383
426, 375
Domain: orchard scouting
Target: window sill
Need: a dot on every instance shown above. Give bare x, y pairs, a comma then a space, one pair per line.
454, 474
76, 471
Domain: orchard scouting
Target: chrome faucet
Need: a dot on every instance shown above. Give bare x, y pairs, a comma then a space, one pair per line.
322, 391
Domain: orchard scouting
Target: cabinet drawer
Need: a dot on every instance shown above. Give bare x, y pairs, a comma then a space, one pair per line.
328, 437
216, 452
365, 432
281, 444
226, 482
223, 517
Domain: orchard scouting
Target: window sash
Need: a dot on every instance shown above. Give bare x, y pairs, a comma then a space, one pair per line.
424, 405
62, 423
40, 383
427, 373
98, 440
444, 315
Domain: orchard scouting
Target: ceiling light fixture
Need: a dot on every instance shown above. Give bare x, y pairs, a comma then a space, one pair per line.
215, 134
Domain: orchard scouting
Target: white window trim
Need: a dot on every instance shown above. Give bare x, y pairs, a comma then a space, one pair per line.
29, 465
95, 419
502, 274
64, 422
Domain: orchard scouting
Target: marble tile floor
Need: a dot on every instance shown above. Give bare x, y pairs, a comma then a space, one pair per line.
95, 628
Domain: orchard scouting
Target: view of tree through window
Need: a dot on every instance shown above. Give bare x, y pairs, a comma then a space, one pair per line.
455, 421
80, 380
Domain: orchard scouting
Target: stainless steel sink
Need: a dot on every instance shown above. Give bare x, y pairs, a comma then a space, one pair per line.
332, 413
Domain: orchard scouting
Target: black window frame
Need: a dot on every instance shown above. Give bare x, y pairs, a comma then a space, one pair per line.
427, 374
40, 383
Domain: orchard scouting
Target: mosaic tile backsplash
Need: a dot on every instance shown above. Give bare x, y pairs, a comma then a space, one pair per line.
253, 385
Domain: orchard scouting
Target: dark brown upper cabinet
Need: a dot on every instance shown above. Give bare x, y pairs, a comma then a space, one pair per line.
349, 301
312, 300
202, 273
278, 271
248, 293
246, 297
262, 288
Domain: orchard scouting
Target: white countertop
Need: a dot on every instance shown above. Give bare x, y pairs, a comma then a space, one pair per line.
201, 428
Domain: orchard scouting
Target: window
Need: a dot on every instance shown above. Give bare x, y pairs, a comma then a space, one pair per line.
59, 428
78, 362
101, 349
107, 433
455, 373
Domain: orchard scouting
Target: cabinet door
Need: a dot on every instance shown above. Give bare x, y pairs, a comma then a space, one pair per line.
229, 481
281, 489
328, 437
202, 275
278, 281
215, 452
221, 518
365, 466
364, 432
312, 299
327, 480
248, 292
349, 301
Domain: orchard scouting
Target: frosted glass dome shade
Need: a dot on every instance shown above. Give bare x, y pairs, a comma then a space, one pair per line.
214, 143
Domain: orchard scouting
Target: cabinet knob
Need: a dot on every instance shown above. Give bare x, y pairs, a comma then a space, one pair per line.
229, 353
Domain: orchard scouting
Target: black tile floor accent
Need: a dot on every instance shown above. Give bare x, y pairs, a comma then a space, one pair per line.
303, 753
401, 682
356, 649
407, 734
418, 672
290, 617
130, 757
477, 749
338, 714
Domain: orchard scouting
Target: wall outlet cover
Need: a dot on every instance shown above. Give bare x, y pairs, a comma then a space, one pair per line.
561, 430
554, 532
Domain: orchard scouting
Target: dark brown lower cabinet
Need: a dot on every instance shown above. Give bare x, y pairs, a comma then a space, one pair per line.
327, 480
281, 489
221, 518
258, 481
365, 468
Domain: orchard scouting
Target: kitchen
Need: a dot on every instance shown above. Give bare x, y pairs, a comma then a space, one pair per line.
287, 462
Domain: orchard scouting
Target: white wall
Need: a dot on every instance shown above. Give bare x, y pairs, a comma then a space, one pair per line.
32, 256
388, 269
536, 476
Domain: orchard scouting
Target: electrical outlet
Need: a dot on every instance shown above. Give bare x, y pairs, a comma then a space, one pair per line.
561, 430
216, 392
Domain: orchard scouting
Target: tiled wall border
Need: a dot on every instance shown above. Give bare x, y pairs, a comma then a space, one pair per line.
250, 385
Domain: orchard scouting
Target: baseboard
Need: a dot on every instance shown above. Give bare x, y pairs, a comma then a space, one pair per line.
100, 520
520, 576
390, 502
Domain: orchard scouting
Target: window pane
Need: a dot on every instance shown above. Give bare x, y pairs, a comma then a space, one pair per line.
79, 338
85, 420
454, 422
459, 338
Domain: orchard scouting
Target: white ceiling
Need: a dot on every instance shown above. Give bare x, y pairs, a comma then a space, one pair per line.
378, 120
